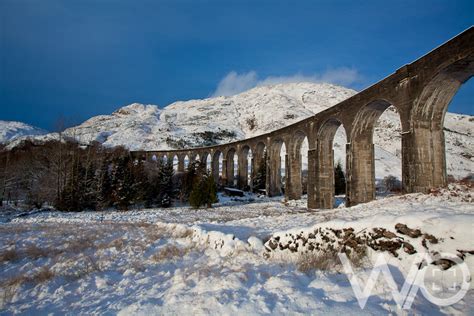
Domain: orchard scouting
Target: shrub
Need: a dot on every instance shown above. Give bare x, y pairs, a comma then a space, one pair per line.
392, 184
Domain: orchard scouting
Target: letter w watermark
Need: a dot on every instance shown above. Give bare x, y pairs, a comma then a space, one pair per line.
413, 281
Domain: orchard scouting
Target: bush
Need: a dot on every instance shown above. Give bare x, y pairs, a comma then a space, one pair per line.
392, 184
204, 191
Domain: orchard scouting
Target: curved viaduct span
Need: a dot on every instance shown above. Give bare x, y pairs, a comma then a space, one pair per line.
420, 91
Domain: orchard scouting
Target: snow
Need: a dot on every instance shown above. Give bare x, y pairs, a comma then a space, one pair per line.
11, 130
185, 261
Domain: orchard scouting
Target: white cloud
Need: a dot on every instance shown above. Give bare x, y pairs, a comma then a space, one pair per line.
234, 83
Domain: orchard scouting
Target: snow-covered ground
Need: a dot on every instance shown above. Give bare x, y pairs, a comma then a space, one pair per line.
218, 261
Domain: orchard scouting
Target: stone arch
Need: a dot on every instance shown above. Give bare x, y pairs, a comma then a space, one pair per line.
216, 165
321, 189
274, 166
186, 161
294, 178
243, 165
424, 154
207, 160
230, 166
360, 153
259, 160
175, 162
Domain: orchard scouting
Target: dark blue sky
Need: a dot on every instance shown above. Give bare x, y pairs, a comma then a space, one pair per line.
77, 59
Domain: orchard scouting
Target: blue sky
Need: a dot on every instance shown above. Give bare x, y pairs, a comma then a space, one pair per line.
75, 59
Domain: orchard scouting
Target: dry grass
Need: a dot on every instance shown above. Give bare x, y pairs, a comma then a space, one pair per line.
327, 260
43, 275
169, 252
10, 286
9, 255
118, 244
34, 252
77, 250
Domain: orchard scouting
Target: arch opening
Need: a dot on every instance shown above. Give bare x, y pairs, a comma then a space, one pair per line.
217, 167
259, 168
244, 168
208, 161
330, 171
297, 175
277, 170
370, 166
186, 161
175, 163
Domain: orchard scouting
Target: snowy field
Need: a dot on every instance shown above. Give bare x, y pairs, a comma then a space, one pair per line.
222, 260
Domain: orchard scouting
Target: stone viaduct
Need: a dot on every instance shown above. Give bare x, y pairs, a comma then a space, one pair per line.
420, 92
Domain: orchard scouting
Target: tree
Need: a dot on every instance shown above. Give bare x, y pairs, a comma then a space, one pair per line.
391, 183
260, 179
339, 179
104, 186
123, 193
166, 193
211, 191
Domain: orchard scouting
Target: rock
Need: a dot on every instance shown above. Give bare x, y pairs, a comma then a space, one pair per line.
389, 234
432, 239
445, 264
351, 243
408, 248
272, 245
403, 229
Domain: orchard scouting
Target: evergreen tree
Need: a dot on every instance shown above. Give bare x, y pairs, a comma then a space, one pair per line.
260, 179
140, 181
211, 191
123, 193
198, 195
104, 186
339, 179
166, 184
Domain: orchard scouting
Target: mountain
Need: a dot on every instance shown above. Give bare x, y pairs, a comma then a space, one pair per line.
188, 123
258, 111
11, 130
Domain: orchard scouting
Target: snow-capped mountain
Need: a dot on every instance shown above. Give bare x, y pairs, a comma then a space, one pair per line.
184, 124
10, 130
258, 111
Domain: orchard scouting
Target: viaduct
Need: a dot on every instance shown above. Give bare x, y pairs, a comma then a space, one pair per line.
420, 91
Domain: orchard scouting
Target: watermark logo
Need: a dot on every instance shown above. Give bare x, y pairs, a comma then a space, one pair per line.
417, 279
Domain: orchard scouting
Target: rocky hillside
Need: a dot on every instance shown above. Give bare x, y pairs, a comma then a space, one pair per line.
258, 111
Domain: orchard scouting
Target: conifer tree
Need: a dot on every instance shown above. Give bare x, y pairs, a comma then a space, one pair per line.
260, 179
339, 179
211, 191
123, 193
104, 186
166, 193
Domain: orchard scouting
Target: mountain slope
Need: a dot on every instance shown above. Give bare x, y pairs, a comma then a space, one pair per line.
10, 130
248, 114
